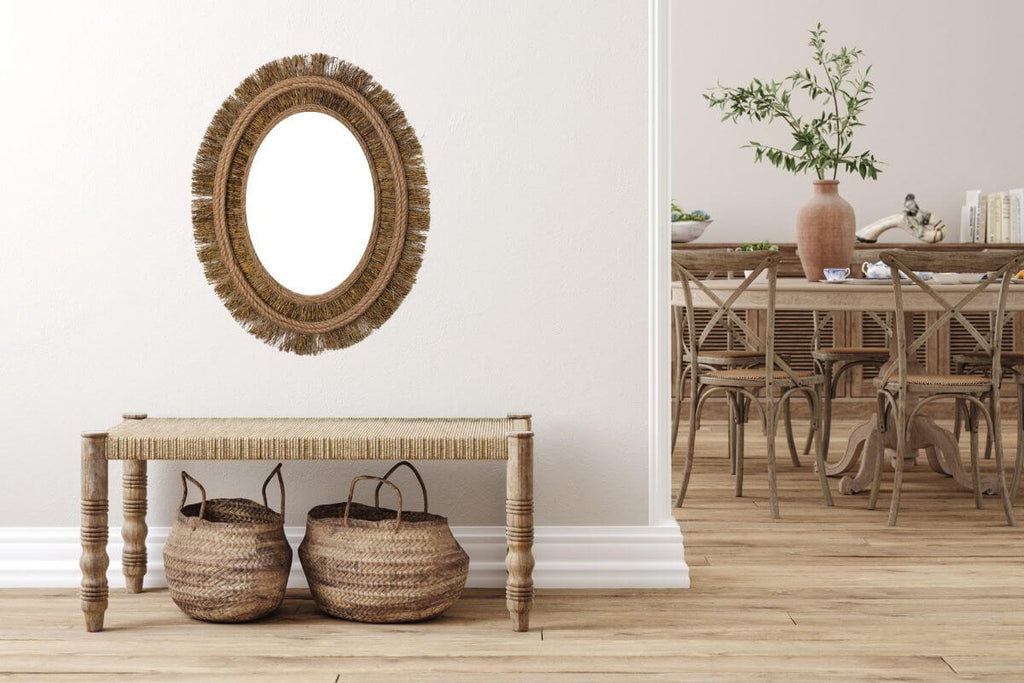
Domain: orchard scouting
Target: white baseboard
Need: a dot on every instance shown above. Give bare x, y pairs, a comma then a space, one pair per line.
567, 557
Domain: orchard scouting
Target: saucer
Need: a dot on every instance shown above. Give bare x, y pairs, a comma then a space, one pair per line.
867, 281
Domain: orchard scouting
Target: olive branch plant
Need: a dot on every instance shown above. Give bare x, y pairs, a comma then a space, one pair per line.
823, 142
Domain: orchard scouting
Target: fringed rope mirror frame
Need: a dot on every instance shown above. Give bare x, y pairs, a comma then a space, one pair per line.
309, 324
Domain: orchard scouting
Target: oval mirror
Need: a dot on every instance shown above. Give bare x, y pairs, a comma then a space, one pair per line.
309, 202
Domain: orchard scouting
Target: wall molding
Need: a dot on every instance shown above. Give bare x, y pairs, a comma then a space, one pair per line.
659, 144
567, 557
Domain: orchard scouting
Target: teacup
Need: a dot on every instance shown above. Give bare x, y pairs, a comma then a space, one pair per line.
836, 274
876, 270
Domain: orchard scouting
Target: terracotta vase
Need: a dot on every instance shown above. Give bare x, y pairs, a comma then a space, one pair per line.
826, 230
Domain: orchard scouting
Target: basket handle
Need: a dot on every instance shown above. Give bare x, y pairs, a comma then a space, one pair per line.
423, 487
382, 480
185, 479
280, 481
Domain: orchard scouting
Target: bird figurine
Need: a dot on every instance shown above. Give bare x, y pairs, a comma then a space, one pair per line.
910, 206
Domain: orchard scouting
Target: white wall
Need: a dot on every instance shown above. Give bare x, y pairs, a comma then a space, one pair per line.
930, 121
532, 293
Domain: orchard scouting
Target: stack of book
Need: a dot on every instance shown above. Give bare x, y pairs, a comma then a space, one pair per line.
993, 217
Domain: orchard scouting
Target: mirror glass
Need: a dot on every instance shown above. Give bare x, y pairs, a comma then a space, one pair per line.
309, 202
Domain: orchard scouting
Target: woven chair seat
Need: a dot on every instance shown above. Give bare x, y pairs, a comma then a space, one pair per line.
748, 377
851, 353
985, 357
727, 357
937, 384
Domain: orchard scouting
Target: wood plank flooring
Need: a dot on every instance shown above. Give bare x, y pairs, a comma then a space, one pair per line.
819, 595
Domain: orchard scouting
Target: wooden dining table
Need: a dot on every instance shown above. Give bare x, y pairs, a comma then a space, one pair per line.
798, 294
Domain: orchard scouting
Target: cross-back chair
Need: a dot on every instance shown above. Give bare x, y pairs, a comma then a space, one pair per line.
765, 387
903, 392
736, 354
832, 362
977, 361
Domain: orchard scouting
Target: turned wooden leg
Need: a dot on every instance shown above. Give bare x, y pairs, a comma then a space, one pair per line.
133, 557
519, 528
94, 560
133, 497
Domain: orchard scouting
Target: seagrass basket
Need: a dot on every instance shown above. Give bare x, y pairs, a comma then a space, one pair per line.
373, 564
227, 559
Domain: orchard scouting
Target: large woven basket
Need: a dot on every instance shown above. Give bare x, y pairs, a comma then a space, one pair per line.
227, 559
378, 565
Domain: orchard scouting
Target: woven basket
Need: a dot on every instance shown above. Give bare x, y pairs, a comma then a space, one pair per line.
378, 565
227, 559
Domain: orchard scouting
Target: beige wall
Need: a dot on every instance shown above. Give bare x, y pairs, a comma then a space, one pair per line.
532, 295
931, 121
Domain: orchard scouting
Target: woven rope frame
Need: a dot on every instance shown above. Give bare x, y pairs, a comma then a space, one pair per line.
370, 295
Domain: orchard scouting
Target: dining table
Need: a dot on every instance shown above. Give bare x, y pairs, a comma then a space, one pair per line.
870, 296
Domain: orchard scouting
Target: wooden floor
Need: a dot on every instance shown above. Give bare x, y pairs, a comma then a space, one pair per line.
822, 594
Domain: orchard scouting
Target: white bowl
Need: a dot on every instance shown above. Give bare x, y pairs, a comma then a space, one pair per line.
947, 278
761, 277
970, 278
687, 231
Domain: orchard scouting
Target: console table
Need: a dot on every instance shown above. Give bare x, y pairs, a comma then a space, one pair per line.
139, 439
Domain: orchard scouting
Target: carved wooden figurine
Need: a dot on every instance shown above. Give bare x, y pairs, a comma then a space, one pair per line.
917, 222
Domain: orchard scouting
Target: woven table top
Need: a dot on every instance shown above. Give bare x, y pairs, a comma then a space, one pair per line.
310, 439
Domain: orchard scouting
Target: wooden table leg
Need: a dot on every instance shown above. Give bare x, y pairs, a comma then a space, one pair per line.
94, 560
854, 445
519, 528
939, 444
133, 557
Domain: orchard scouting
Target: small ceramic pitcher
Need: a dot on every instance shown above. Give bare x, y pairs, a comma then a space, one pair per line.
876, 270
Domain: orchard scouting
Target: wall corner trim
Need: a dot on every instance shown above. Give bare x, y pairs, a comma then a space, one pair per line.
659, 265
567, 557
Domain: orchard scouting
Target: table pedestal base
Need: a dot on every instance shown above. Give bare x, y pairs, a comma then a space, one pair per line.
941, 448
